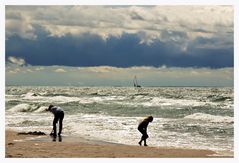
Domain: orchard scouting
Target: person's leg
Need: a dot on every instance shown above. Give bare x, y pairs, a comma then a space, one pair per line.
145, 144
60, 123
54, 125
145, 136
142, 138
140, 142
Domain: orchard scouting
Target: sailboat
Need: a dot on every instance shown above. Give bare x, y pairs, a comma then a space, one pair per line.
136, 82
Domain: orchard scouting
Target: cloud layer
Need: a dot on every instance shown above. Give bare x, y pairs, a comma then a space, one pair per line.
194, 21
113, 76
121, 36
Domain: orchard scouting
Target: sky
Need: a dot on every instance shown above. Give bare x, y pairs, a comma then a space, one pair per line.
108, 45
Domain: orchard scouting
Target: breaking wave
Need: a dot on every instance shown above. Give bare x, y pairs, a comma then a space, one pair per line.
210, 118
220, 98
27, 108
194, 117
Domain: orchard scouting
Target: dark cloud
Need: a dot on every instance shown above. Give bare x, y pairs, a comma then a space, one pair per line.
125, 51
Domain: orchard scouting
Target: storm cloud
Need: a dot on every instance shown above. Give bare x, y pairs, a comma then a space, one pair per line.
175, 36
126, 51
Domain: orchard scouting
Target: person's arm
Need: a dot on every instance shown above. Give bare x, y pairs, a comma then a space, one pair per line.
143, 125
146, 125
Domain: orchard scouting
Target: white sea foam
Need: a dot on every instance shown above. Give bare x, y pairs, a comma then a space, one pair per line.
29, 94
27, 108
159, 101
123, 130
210, 118
10, 98
106, 128
88, 121
66, 99
21, 108
53, 99
41, 109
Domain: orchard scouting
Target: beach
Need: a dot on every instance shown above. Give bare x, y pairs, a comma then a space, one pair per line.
102, 119
108, 68
29, 146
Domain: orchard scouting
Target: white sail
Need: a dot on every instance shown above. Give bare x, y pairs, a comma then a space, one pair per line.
136, 82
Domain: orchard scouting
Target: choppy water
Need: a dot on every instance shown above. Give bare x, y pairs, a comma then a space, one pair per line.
188, 117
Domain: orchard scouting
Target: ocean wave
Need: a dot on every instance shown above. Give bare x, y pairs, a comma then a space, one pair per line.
210, 118
219, 98
156, 101
21, 108
51, 99
41, 109
27, 108
36, 98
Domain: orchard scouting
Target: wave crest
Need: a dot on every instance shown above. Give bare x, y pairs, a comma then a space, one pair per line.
210, 118
27, 108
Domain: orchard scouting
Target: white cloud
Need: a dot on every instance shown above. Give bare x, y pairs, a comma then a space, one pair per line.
60, 70
39, 68
106, 75
14, 71
19, 23
101, 69
149, 22
29, 70
16, 61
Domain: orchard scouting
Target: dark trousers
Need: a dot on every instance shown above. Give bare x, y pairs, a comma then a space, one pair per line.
59, 116
144, 134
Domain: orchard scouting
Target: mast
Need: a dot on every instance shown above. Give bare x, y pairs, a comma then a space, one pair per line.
136, 82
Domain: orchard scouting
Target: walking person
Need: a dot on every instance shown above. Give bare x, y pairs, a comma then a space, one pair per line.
142, 127
58, 116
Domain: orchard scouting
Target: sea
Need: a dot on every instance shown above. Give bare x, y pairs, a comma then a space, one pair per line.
184, 117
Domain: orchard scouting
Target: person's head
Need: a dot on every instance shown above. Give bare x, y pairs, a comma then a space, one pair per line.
149, 118
49, 108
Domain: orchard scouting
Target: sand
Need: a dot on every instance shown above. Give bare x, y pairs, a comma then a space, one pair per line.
29, 146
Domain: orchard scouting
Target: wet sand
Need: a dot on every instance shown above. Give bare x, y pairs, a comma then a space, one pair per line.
29, 146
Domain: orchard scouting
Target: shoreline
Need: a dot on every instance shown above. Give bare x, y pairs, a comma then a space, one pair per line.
30, 146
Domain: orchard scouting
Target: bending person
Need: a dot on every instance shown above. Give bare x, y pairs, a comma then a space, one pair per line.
143, 129
58, 116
